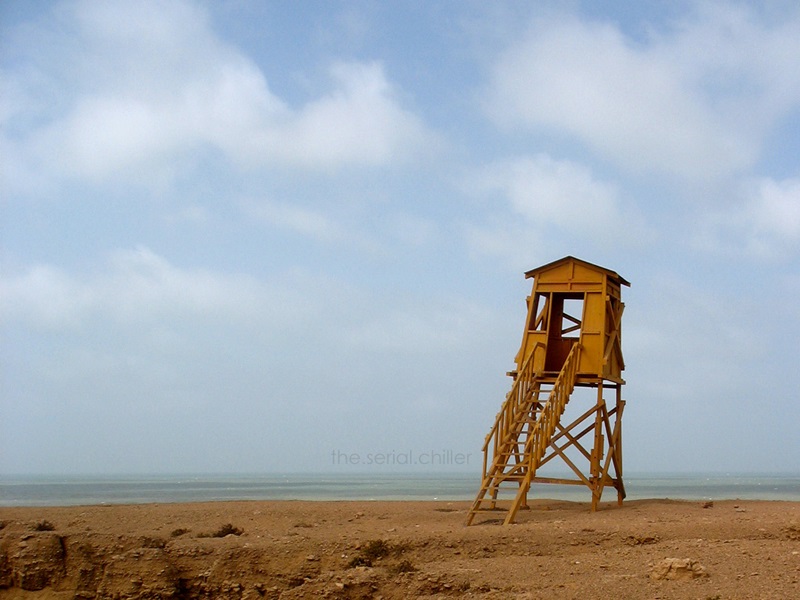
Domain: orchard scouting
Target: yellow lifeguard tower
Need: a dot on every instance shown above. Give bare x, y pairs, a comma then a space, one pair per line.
572, 339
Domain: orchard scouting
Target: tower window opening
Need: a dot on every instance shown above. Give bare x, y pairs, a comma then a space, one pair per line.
539, 313
572, 317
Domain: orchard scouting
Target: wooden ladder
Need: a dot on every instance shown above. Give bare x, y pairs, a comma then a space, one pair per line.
522, 431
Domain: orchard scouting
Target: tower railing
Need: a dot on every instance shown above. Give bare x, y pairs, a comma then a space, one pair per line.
548, 420
546, 423
517, 401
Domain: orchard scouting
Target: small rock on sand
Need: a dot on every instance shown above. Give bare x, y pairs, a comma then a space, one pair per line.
678, 568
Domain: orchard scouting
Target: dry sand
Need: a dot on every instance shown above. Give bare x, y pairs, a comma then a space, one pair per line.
644, 549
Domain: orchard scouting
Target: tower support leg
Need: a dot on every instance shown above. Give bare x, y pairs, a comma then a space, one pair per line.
595, 472
617, 443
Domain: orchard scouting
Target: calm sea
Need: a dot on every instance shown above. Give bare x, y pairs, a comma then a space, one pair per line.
70, 491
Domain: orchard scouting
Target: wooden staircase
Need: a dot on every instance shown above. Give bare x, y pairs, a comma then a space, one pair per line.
522, 432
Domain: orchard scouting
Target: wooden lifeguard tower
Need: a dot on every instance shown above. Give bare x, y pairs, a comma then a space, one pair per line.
572, 339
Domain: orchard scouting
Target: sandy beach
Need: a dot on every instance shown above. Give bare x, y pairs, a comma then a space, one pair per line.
292, 549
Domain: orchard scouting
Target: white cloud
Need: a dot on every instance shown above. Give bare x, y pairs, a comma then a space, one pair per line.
552, 192
140, 85
358, 122
762, 220
407, 230
516, 243
740, 58
543, 198
140, 286
301, 220
45, 296
693, 102
775, 211
442, 326
691, 330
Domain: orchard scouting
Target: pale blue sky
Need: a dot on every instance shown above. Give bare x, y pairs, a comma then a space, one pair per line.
238, 236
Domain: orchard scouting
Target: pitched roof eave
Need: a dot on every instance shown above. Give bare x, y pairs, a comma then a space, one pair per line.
613, 274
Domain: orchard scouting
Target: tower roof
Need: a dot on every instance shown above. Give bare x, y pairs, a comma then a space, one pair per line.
612, 274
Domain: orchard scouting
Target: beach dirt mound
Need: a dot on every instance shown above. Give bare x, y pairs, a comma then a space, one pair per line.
32, 561
393, 550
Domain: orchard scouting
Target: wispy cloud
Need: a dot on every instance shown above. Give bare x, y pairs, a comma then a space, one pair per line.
695, 100
144, 85
761, 221
298, 219
541, 198
139, 286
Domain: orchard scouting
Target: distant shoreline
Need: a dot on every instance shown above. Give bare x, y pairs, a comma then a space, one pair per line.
87, 491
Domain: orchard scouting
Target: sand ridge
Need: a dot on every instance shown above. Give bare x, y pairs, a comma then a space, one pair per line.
351, 549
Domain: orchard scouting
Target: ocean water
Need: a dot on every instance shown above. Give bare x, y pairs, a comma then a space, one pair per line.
72, 491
